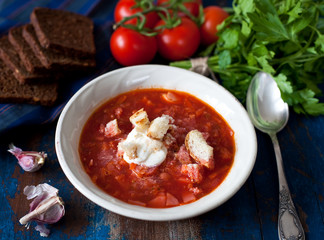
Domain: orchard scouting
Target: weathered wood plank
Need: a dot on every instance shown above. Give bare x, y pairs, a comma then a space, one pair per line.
241, 209
303, 163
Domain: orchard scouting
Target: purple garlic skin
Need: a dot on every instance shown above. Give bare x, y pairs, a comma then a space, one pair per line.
29, 161
46, 208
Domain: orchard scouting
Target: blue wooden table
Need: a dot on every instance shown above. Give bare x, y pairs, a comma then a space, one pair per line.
249, 214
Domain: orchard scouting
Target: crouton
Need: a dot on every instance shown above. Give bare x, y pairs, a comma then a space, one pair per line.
140, 120
129, 148
112, 129
159, 126
198, 149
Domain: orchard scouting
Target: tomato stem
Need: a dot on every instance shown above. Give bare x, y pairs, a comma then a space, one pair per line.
164, 11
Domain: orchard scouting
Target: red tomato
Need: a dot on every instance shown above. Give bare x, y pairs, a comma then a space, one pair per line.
180, 42
213, 16
131, 48
192, 6
124, 9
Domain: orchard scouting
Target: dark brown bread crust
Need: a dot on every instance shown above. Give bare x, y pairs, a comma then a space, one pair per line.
10, 57
26, 54
13, 92
54, 60
64, 31
30, 60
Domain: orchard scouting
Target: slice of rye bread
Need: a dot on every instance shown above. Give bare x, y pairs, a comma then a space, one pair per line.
64, 31
54, 59
13, 92
11, 58
26, 54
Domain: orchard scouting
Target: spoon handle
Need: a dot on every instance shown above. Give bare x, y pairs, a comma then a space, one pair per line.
289, 226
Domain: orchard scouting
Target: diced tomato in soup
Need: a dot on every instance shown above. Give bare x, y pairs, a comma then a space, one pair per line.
179, 179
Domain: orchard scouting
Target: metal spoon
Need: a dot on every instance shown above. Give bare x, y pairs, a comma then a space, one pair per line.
269, 113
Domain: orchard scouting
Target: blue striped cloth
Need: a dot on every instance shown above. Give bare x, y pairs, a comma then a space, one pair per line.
17, 12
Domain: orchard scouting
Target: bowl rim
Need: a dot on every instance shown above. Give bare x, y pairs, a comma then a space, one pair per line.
134, 211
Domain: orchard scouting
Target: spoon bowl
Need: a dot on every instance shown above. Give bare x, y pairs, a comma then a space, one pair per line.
269, 113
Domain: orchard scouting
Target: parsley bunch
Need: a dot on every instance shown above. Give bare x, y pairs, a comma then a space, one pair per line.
280, 37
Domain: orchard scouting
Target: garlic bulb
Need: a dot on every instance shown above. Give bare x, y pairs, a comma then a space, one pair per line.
46, 208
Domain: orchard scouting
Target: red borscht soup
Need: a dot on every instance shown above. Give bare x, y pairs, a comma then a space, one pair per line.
157, 148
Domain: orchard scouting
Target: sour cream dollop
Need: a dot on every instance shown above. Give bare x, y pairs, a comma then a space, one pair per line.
143, 145
142, 150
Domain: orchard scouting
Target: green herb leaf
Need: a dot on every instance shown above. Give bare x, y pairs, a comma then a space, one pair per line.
320, 42
229, 38
224, 59
295, 12
283, 84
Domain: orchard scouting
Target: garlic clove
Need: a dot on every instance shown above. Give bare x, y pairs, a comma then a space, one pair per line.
30, 161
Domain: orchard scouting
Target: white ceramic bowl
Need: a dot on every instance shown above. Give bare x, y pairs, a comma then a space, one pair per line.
88, 98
